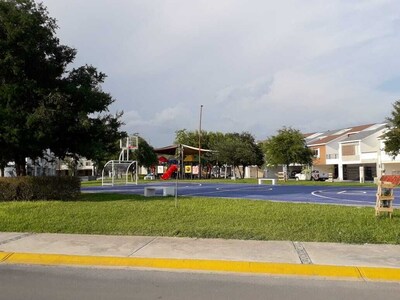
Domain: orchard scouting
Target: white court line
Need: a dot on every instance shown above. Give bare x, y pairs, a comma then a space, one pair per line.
338, 199
352, 193
220, 189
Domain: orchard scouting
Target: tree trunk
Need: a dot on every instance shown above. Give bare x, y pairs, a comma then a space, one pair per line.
3, 166
287, 171
20, 166
240, 173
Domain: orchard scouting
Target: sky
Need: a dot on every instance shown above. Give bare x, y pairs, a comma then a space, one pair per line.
254, 65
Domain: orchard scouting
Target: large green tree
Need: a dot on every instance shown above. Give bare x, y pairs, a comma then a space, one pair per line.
145, 154
183, 136
191, 138
287, 147
392, 135
42, 104
207, 141
237, 149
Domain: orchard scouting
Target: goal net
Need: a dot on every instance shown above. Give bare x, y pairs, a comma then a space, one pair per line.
119, 172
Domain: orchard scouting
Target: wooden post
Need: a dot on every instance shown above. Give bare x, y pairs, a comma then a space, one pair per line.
384, 198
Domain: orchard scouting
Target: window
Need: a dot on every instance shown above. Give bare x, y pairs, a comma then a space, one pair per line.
348, 150
315, 152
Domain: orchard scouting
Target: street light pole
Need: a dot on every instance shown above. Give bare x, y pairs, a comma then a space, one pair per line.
201, 111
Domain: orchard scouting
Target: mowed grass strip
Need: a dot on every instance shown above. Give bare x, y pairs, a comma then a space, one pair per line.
118, 214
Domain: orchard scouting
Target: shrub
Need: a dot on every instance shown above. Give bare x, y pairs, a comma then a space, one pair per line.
39, 188
8, 189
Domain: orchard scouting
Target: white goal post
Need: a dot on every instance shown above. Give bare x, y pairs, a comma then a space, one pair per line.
120, 172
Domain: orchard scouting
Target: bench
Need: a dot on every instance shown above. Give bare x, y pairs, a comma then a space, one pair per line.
151, 190
273, 180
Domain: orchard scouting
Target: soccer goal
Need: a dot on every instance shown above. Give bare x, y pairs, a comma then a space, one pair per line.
119, 172
123, 170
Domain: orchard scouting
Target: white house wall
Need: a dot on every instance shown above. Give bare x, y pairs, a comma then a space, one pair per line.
388, 159
351, 159
333, 149
366, 154
392, 168
332, 153
369, 157
370, 143
370, 148
387, 163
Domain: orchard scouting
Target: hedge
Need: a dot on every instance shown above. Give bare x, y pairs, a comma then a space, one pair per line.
39, 188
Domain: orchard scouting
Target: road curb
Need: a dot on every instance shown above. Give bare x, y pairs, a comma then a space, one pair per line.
348, 272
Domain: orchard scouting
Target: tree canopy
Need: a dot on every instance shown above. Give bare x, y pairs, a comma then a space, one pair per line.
43, 105
145, 154
208, 140
392, 136
237, 149
287, 147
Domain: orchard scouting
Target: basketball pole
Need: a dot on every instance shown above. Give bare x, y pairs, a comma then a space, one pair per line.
201, 110
136, 135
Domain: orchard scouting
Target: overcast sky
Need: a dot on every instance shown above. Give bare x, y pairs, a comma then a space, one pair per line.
255, 65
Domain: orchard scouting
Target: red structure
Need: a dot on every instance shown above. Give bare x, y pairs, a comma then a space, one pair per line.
171, 169
395, 179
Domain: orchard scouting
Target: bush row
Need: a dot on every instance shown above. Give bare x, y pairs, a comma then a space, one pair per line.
39, 188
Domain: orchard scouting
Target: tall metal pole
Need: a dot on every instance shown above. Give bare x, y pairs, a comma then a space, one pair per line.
137, 165
201, 111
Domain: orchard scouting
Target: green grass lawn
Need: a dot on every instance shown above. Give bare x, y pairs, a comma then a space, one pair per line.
201, 217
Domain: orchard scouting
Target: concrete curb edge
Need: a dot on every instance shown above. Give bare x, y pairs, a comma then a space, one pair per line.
349, 272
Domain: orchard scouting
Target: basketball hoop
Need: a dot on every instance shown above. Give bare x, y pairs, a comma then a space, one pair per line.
128, 144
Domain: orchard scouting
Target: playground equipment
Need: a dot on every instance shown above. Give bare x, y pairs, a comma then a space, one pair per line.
123, 170
170, 171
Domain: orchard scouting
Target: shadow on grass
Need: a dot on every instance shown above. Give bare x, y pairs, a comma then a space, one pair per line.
384, 216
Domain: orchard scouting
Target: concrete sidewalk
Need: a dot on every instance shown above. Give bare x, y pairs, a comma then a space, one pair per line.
363, 262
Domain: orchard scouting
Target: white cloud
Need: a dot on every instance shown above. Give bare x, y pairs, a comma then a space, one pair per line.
164, 122
255, 66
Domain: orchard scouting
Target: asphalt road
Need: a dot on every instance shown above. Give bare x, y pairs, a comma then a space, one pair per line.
356, 196
56, 283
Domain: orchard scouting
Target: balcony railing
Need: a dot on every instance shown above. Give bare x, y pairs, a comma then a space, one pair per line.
351, 157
